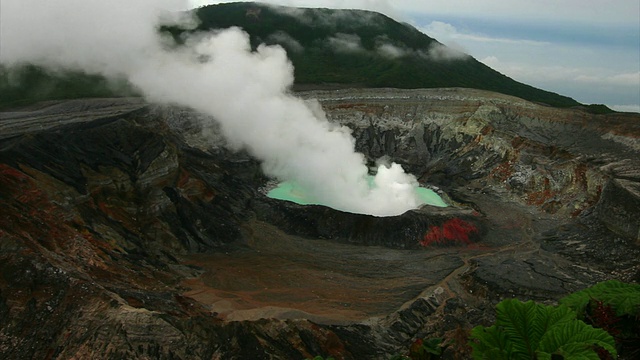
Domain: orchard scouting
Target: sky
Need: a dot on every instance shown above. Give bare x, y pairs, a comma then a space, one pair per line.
586, 49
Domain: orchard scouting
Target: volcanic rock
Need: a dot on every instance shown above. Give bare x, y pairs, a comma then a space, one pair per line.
128, 230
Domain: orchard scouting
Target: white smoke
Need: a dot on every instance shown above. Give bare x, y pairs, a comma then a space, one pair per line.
217, 74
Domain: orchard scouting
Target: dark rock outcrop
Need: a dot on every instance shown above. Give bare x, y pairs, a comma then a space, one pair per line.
619, 204
403, 231
558, 160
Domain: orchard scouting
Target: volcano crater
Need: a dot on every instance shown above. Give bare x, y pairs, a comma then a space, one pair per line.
118, 212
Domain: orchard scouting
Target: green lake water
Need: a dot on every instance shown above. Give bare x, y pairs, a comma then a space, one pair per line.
290, 192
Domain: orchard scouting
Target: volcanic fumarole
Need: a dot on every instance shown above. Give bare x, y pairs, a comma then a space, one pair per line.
247, 92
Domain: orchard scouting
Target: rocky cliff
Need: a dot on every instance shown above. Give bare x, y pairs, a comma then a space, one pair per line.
557, 160
127, 230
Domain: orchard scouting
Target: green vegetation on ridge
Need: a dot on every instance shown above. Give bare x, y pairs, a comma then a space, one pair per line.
328, 48
26, 84
420, 63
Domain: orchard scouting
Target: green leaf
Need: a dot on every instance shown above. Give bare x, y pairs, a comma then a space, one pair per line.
526, 323
534, 331
433, 346
575, 338
622, 297
571, 352
549, 316
578, 352
492, 343
541, 355
517, 321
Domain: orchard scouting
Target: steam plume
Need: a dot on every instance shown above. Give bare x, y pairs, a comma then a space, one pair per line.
217, 74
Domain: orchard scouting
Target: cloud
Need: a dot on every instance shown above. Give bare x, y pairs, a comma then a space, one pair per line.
528, 71
286, 40
319, 17
245, 91
573, 37
345, 43
439, 28
439, 52
565, 62
625, 79
591, 83
626, 108
391, 51
446, 33
435, 52
600, 12
592, 76
36, 37
388, 8
628, 79
592, 12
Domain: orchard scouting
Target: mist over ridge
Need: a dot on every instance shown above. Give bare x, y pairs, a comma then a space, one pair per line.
358, 48
217, 73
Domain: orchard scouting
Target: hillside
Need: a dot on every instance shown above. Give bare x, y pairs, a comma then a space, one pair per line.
328, 48
364, 49
27, 84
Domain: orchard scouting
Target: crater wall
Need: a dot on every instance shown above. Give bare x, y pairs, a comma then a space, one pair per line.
104, 200
558, 160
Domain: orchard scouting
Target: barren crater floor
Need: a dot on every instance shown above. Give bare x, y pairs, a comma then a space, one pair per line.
285, 276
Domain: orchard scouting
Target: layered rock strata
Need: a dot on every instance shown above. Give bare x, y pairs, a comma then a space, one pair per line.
558, 160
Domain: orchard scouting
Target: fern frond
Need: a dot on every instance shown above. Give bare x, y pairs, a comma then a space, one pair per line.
575, 338
517, 319
526, 331
622, 297
490, 343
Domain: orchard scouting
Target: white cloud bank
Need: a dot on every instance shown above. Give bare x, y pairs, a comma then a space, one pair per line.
627, 79
435, 52
386, 7
585, 72
286, 40
576, 79
345, 43
245, 91
449, 33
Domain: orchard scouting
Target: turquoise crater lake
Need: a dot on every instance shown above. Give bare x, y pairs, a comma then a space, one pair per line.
289, 191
